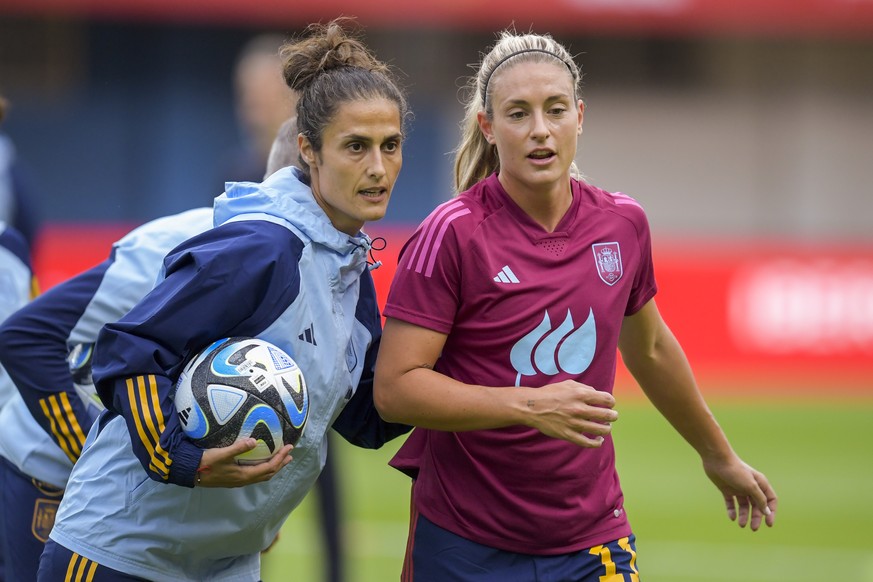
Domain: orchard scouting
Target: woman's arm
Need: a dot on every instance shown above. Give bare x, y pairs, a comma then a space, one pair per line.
408, 390
203, 298
656, 360
33, 349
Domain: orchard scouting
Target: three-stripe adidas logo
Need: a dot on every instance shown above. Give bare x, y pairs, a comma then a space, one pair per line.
505, 275
308, 335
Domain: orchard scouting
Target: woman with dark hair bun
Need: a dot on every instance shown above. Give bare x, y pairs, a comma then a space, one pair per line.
286, 262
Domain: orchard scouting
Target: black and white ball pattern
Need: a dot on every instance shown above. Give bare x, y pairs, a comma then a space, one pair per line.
242, 387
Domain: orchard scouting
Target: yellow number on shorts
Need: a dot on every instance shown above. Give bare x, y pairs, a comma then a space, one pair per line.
610, 574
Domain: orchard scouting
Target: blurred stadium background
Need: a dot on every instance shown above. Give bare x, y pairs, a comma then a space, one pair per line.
743, 127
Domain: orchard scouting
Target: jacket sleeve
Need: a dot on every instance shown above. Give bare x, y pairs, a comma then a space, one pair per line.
359, 422
37, 341
33, 349
233, 280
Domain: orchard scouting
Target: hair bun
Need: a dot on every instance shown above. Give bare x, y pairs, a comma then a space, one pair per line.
324, 47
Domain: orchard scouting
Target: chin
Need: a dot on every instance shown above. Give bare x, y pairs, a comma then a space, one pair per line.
375, 212
553, 175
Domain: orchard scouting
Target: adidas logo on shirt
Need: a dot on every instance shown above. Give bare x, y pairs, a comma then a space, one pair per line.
505, 275
308, 335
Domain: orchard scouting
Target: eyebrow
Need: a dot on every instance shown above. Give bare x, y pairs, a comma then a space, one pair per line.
356, 137
549, 98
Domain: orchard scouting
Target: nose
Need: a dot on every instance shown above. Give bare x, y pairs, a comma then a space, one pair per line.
376, 167
539, 126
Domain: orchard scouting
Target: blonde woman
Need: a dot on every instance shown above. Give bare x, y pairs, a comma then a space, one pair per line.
503, 323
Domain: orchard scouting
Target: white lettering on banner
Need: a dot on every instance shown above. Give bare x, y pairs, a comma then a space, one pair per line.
810, 307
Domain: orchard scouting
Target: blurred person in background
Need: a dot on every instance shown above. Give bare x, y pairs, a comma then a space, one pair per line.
263, 102
47, 347
504, 318
17, 283
284, 152
167, 509
18, 203
17, 287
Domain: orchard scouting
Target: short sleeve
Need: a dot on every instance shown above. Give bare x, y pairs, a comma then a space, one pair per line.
644, 287
426, 286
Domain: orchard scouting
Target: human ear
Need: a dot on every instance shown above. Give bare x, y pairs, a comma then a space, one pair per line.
485, 126
581, 116
305, 148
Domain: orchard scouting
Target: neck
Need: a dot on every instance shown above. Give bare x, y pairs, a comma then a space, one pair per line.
546, 205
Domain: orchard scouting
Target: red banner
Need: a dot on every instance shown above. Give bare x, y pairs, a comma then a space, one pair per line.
764, 312
769, 17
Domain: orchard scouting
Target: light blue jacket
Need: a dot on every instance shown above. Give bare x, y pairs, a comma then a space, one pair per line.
275, 268
43, 426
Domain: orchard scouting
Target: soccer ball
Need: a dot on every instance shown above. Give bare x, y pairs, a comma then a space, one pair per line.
242, 387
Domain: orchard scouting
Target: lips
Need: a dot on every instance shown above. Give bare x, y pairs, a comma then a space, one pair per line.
372, 192
541, 154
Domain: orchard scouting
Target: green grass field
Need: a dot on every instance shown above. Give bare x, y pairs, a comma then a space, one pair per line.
819, 457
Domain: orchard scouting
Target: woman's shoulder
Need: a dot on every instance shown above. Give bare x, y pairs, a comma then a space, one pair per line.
243, 242
461, 211
470, 207
616, 202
